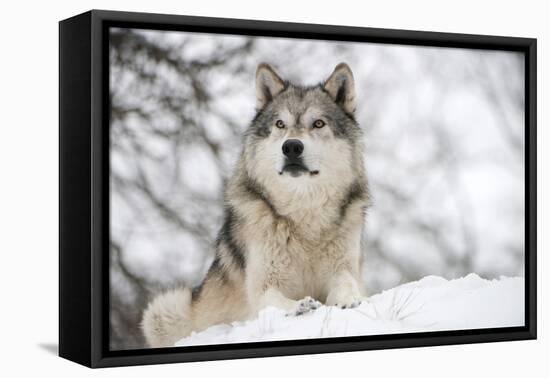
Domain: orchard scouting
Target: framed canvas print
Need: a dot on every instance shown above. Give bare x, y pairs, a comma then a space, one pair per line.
235, 188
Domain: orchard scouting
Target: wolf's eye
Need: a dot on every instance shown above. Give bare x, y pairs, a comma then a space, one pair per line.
319, 123
280, 124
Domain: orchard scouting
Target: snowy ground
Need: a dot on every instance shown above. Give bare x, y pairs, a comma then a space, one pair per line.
431, 304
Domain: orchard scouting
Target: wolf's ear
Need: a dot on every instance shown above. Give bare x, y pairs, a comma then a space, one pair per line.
340, 86
268, 85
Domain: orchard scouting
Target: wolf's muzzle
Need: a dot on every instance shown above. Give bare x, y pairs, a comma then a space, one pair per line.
294, 164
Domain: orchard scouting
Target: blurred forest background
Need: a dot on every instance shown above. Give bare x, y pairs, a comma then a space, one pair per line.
445, 156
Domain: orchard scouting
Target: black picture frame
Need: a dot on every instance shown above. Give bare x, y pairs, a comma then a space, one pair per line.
84, 188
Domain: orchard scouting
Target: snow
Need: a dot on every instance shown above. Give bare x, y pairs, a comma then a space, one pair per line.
430, 304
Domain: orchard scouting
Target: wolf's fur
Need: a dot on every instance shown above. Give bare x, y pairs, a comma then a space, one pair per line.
290, 238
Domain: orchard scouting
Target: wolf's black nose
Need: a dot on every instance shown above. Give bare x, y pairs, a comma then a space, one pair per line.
293, 148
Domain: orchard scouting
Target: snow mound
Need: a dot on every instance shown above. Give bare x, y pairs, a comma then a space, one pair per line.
430, 304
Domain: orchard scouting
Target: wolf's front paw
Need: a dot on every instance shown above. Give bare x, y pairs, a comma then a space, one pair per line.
344, 292
344, 301
305, 305
352, 303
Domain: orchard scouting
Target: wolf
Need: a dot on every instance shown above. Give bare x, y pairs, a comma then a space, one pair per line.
294, 213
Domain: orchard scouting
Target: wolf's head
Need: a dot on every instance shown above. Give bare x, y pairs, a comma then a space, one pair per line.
304, 139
